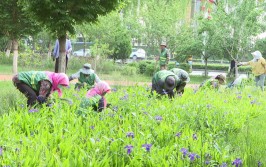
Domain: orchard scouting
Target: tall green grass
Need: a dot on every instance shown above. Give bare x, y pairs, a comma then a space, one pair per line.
218, 126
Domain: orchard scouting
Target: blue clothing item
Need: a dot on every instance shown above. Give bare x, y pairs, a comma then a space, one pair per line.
56, 48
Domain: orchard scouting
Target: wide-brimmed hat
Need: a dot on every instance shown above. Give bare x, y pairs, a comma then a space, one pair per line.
86, 69
163, 44
221, 77
170, 82
257, 54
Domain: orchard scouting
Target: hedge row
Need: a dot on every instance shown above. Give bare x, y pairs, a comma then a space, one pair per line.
222, 67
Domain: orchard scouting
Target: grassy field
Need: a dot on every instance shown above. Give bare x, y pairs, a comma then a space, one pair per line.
206, 128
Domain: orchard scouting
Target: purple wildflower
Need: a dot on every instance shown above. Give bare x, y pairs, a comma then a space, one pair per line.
184, 151
223, 165
115, 108
239, 97
237, 162
158, 118
125, 97
194, 136
129, 148
165, 92
92, 127
130, 134
253, 102
114, 90
33, 110
146, 113
207, 162
208, 106
178, 134
147, 146
1, 151
193, 156
249, 96
259, 163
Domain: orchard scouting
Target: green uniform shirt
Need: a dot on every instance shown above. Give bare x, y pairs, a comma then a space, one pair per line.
32, 78
163, 56
87, 79
159, 79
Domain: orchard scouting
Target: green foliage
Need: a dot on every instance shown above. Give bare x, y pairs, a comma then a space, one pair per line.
122, 46
16, 21
4, 59
260, 45
107, 67
61, 16
225, 127
127, 70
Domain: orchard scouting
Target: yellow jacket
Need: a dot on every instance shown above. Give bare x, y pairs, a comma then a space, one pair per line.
258, 67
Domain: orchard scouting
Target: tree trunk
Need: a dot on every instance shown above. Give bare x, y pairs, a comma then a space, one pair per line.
8, 48
236, 69
15, 56
62, 54
206, 70
49, 50
84, 44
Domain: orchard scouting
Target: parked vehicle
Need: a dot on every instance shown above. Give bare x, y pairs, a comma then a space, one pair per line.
82, 53
137, 53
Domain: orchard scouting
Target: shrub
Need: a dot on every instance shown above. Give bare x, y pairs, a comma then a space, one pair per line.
127, 70
106, 67
4, 59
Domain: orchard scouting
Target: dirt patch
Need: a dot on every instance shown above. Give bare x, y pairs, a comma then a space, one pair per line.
120, 83
6, 77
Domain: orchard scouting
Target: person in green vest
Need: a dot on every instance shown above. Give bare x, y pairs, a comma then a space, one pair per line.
164, 56
38, 85
95, 98
183, 77
214, 82
164, 82
86, 77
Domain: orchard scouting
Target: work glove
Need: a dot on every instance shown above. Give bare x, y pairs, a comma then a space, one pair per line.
41, 99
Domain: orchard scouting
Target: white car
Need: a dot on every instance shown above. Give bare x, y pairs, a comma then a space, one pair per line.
137, 54
81, 53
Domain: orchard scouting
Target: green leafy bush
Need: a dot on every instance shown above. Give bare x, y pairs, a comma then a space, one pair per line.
5, 60
127, 70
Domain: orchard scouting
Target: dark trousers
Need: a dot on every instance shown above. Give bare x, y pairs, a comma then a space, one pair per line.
28, 92
57, 64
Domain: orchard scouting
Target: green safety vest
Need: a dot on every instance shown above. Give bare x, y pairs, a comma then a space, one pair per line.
32, 78
87, 79
163, 56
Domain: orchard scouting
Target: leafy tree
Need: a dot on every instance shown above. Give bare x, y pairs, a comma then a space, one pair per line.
15, 24
61, 16
110, 30
122, 47
238, 23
